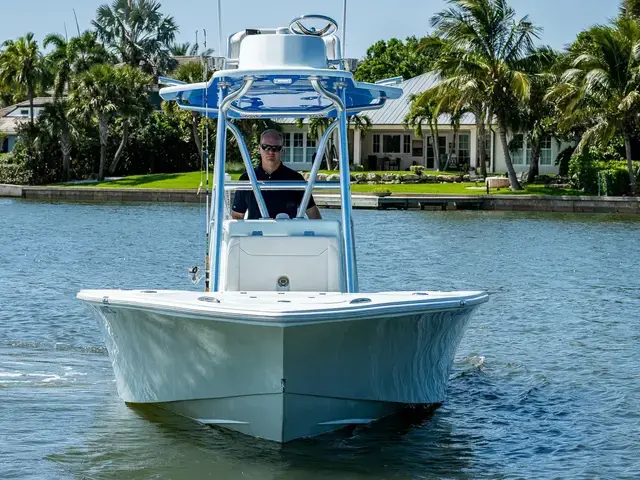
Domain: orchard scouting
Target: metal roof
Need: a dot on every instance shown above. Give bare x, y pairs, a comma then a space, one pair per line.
395, 111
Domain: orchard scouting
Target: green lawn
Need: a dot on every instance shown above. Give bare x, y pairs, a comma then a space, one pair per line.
191, 180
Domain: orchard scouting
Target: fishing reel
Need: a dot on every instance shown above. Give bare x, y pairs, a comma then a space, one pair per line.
194, 273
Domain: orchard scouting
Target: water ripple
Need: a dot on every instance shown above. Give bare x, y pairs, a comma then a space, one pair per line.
545, 382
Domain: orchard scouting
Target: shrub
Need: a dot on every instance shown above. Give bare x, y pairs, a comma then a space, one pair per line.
613, 182
13, 173
417, 169
592, 173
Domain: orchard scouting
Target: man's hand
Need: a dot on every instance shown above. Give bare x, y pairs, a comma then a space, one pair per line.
237, 216
313, 213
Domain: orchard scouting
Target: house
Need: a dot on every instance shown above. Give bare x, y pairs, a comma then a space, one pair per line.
390, 145
13, 116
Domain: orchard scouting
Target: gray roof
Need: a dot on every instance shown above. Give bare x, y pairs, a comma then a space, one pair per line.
9, 125
394, 111
37, 102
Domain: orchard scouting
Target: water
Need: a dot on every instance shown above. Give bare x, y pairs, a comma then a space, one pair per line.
546, 381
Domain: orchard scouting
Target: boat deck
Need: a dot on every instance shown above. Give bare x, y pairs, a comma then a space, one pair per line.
274, 306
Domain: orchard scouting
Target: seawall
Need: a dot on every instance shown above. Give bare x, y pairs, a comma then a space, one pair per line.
590, 204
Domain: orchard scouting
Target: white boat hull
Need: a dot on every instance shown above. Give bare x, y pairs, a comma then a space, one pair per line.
285, 376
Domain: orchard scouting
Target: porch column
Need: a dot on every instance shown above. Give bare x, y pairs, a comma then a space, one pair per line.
473, 148
356, 147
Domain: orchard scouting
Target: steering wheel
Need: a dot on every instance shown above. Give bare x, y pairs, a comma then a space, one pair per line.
302, 30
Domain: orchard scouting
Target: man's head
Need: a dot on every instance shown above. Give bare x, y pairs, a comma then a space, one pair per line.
271, 146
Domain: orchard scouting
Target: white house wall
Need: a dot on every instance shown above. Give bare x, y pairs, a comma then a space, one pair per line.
496, 165
523, 164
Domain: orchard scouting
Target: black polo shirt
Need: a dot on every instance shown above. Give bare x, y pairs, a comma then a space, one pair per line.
278, 201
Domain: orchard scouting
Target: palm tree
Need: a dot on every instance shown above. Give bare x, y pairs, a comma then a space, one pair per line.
537, 116
105, 92
424, 109
631, 8
137, 32
93, 98
23, 66
131, 98
489, 48
182, 49
71, 57
192, 72
55, 119
600, 91
68, 58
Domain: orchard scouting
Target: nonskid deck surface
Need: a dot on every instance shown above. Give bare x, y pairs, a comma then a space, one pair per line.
270, 306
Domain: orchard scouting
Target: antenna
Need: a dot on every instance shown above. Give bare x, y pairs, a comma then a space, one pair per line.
219, 27
344, 27
76, 17
205, 69
66, 36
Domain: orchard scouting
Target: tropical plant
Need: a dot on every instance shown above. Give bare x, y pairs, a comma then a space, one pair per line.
489, 49
131, 99
55, 119
192, 72
536, 115
22, 66
137, 32
631, 8
67, 59
600, 91
424, 110
182, 49
71, 57
394, 58
105, 92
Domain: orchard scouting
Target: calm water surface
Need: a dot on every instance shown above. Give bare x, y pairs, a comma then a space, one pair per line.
546, 381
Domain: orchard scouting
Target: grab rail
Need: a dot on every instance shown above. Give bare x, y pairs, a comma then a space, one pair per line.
281, 185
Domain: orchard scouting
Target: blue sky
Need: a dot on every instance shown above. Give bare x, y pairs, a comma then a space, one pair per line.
367, 20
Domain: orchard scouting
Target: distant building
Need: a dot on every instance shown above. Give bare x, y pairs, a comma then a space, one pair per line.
390, 145
15, 115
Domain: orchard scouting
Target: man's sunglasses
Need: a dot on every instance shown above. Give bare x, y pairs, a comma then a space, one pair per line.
271, 148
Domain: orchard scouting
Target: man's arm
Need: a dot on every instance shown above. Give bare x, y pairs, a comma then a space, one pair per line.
313, 213
240, 201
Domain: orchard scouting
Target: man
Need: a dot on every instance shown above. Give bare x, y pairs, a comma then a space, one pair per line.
271, 168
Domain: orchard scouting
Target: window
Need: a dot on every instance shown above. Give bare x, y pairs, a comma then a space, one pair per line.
376, 144
24, 113
516, 150
407, 144
311, 149
391, 143
417, 148
287, 148
464, 149
546, 156
298, 148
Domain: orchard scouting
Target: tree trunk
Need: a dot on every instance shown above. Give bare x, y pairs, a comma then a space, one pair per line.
436, 153
125, 137
103, 127
196, 136
30, 95
534, 169
513, 178
65, 146
632, 177
481, 151
487, 118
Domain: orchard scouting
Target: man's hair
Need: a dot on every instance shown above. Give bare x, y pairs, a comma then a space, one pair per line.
272, 133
